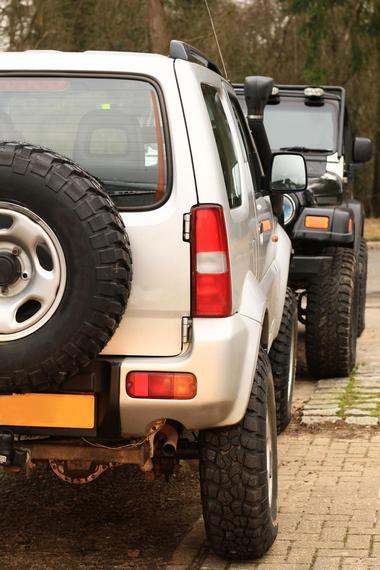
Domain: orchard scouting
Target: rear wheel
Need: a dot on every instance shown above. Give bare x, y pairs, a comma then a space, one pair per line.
332, 316
362, 284
238, 475
283, 356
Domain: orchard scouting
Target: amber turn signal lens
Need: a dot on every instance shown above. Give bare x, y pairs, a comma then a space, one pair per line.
162, 385
317, 222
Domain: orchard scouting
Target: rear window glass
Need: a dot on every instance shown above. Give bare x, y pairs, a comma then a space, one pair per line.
113, 128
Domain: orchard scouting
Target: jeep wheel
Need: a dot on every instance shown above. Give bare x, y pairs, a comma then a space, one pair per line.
283, 357
65, 268
238, 475
331, 317
362, 284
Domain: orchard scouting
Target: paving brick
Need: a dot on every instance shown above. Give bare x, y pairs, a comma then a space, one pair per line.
357, 541
282, 566
301, 555
310, 420
344, 552
356, 412
326, 563
357, 564
334, 533
362, 421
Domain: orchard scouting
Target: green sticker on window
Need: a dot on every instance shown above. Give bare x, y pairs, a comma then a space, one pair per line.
105, 106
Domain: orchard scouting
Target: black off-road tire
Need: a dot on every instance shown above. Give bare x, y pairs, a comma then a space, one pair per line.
362, 284
98, 266
283, 357
332, 316
240, 517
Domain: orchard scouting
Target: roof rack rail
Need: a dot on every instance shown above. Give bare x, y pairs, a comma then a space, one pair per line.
182, 50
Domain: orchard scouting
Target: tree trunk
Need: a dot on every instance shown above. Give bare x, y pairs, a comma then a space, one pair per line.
158, 28
376, 153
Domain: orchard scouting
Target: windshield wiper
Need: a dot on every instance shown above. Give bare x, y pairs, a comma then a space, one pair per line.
305, 149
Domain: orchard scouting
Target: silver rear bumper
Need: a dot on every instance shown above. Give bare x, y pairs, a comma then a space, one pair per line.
222, 355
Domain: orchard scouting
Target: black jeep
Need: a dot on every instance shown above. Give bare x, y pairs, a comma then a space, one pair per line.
325, 222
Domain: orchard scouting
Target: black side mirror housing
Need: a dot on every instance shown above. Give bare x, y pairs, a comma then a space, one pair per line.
288, 172
257, 90
362, 150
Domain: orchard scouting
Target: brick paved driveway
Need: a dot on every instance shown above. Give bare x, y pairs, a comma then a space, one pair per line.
329, 507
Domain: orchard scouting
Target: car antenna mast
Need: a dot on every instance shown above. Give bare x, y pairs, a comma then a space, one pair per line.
216, 39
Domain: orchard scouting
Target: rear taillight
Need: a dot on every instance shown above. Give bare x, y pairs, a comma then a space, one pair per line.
211, 276
162, 385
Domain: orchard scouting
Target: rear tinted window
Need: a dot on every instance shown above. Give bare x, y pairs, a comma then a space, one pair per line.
224, 143
111, 127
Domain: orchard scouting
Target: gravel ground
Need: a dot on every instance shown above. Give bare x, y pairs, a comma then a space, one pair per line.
118, 521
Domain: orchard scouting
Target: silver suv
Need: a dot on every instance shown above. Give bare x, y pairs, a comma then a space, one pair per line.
109, 366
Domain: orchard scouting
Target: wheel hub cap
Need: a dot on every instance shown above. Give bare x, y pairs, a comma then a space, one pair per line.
10, 269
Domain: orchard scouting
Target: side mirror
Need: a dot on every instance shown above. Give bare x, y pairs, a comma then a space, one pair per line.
288, 172
362, 149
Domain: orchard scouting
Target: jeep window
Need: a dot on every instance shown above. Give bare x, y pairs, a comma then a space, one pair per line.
293, 125
224, 143
111, 127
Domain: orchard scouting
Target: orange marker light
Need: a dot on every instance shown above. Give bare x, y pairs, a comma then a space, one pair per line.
266, 225
317, 222
350, 226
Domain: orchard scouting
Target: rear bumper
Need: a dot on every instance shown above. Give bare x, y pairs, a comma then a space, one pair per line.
222, 355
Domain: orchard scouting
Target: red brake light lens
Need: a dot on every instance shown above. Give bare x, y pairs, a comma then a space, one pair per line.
162, 385
211, 276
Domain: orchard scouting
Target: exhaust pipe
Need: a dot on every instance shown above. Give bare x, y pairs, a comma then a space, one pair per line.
169, 448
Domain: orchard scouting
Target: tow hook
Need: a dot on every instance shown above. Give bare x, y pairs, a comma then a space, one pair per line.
10, 456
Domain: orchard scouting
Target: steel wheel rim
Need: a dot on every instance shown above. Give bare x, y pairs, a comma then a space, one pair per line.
269, 459
292, 361
28, 303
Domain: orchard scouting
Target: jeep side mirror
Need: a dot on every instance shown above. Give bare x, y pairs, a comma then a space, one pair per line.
288, 172
362, 149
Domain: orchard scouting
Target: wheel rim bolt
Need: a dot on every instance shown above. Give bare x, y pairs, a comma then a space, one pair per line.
16, 251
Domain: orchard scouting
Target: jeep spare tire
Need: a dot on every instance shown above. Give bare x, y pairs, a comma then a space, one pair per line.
65, 268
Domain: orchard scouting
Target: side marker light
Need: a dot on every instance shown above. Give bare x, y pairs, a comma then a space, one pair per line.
317, 222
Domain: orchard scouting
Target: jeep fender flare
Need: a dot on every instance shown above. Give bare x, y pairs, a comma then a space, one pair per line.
357, 209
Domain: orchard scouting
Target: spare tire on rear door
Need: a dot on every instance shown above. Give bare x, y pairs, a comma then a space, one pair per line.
65, 268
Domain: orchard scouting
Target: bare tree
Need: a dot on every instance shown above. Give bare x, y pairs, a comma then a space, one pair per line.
158, 26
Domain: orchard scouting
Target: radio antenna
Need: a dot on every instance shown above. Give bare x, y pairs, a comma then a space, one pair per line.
216, 39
